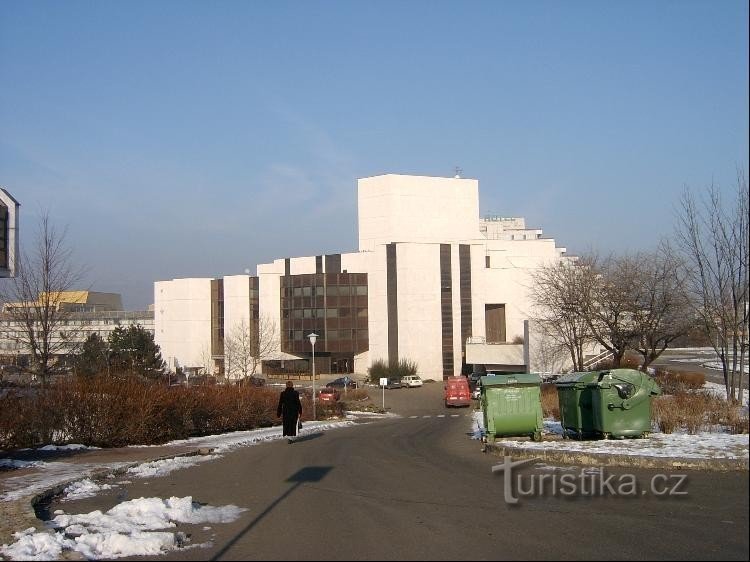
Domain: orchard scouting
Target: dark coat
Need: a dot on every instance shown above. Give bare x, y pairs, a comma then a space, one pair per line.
290, 410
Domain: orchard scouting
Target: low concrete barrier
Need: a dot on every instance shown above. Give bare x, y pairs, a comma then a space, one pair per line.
610, 459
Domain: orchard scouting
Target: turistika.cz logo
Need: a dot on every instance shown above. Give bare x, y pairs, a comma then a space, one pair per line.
587, 482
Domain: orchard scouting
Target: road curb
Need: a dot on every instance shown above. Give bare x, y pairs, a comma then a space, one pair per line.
609, 459
20, 514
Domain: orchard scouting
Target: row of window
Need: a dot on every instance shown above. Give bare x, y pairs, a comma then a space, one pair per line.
330, 291
305, 279
325, 313
330, 335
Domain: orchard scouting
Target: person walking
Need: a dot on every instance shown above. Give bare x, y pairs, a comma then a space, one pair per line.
289, 410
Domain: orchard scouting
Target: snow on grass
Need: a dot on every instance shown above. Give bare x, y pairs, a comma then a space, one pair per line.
165, 466
11, 464
131, 528
227, 441
720, 391
681, 445
704, 445
85, 488
356, 414
47, 475
71, 447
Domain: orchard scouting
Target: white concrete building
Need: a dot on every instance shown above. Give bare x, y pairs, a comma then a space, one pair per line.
8, 234
80, 314
431, 283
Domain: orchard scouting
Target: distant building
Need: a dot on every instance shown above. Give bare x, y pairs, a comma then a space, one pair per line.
8, 234
85, 313
431, 282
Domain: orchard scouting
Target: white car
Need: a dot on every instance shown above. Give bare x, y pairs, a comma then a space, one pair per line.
411, 381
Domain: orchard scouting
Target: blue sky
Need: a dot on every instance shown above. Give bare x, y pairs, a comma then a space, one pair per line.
178, 139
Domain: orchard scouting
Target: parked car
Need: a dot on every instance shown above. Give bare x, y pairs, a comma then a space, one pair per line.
246, 381
457, 392
328, 395
474, 379
393, 383
476, 394
342, 382
411, 381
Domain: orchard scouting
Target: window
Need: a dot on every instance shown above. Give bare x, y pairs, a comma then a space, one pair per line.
494, 319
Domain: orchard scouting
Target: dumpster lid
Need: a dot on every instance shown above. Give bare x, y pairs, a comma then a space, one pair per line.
635, 377
578, 377
511, 379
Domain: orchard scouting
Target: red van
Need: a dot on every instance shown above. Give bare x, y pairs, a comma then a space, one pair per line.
457, 392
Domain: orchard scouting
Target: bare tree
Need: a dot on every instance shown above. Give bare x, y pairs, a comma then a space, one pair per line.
661, 309
547, 354
608, 302
248, 345
206, 360
557, 292
33, 300
713, 236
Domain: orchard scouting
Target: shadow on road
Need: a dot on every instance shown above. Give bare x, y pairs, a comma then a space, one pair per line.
307, 474
308, 437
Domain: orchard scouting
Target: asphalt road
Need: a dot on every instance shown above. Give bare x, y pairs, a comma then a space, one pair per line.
418, 488
691, 360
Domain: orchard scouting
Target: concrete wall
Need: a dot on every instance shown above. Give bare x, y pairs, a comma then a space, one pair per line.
182, 321
398, 208
236, 304
419, 319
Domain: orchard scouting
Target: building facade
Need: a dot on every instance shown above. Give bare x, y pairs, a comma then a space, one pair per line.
8, 234
431, 282
80, 314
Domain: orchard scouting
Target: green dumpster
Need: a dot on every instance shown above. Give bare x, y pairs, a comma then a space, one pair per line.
512, 405
621, 403
574, 396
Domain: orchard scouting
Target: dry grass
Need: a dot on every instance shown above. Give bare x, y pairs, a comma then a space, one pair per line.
550, 402
675, 382
696, 412
355, 395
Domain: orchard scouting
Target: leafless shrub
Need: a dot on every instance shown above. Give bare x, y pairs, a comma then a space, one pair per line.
675, 382
550, 402
696, 412
355, 395
113, 412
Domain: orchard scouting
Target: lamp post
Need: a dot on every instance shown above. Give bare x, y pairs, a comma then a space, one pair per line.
313, 338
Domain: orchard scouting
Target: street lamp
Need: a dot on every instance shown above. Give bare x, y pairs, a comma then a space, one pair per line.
313, 338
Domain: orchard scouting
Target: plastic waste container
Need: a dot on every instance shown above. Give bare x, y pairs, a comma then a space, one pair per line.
512, 405
621, 403
574, 397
